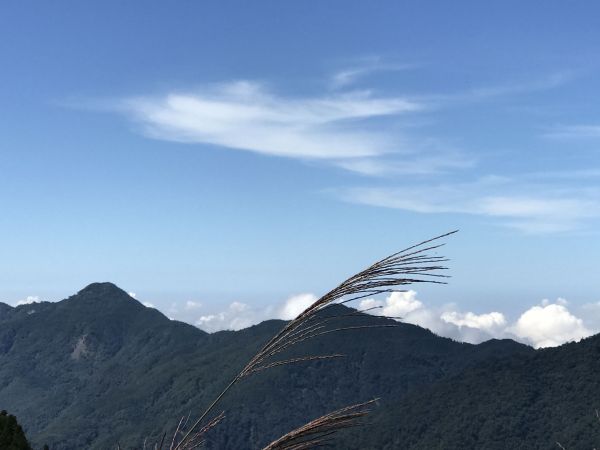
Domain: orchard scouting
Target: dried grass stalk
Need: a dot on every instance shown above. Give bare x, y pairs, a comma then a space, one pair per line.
319, 431
415, 264
196, 439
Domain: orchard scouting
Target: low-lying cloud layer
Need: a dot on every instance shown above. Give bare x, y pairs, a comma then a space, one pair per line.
240, 315
547, 324
29, 300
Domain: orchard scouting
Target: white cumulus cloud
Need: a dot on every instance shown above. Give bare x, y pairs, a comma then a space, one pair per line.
488, 322
240, 315
236, 317
444, 321
397, 304
294, 305
549, 325
191, 305
30, 299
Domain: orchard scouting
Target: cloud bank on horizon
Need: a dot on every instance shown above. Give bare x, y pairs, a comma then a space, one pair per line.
547, 324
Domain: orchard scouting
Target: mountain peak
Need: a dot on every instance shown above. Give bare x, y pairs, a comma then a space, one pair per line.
102, 289
105, 294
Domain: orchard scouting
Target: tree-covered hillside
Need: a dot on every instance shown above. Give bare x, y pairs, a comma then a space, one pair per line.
11, 433
523, 402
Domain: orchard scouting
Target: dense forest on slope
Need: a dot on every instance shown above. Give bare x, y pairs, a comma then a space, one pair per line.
11, 433
100, 368
525, 402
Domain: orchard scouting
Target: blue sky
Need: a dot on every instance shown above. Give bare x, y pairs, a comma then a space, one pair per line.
221, 152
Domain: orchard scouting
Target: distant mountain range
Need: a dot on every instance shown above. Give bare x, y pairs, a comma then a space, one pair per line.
99, 368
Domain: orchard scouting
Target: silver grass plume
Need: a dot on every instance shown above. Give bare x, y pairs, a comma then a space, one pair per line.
415, 264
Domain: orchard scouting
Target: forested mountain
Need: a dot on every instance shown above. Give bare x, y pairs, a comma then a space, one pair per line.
100, 368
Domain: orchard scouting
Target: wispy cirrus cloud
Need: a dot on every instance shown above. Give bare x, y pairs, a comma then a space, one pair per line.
574, 132
246, 116
550, 81
578, 174
341, 128
373, 134
336, 129
529, 208
365, 67
410, 164
495, 91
